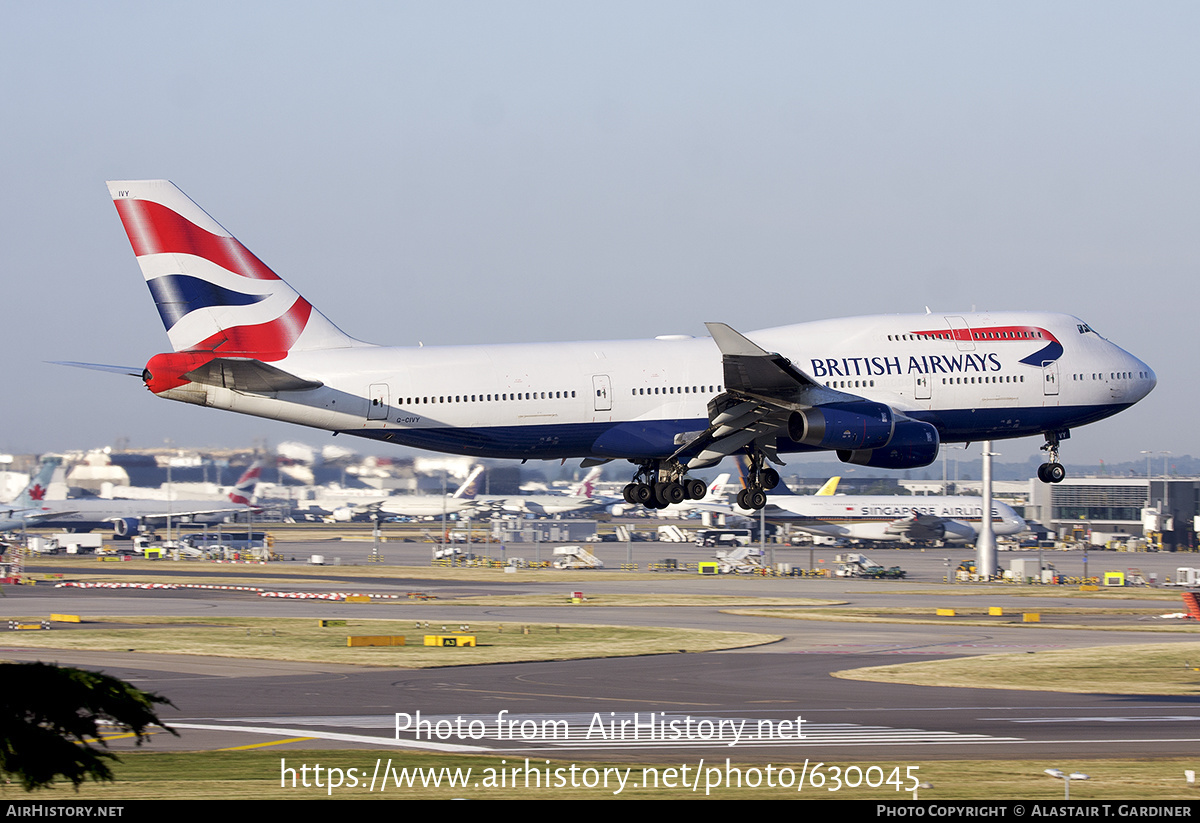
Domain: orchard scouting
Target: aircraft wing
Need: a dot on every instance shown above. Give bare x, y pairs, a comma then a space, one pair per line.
15, 518
919, 527
762, 390
161, 517
752, 370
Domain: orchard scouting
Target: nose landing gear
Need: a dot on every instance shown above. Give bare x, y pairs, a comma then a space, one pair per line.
1052, 471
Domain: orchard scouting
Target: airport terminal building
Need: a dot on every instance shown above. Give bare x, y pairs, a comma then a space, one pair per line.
1106, 509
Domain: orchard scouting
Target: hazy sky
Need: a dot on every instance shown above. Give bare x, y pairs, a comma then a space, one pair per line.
498, 171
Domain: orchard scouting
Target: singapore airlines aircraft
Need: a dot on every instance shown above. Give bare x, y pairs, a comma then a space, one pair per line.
889, 517
880, 391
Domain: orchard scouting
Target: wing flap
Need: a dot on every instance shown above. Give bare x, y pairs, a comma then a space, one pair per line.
762, 390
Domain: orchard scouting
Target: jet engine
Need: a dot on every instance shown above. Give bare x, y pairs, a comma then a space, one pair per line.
915, 444
850, 426
126, 527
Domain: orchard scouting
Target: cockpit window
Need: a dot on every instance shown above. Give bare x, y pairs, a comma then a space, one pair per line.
1084, 328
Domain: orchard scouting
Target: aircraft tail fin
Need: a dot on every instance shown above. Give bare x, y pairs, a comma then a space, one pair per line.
243, 490
743, 470
830, 487
717, 487
587, 486
212, 293
469, 488
34, 493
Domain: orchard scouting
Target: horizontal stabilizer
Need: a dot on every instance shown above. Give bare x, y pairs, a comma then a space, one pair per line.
133, 371
248, 375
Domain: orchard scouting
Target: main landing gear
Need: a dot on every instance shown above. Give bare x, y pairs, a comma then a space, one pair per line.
657, 486
759, 480
1051, 471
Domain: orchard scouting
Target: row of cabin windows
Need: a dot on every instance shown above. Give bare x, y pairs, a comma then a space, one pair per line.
994, 378
865, 384
836, 384
1112, 375
677, 390
974, 335
489, 398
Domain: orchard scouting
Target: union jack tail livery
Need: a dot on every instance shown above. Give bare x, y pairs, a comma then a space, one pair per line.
215, 298
243, 490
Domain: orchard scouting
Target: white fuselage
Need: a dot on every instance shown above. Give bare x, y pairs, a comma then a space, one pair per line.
974, 377
881, 517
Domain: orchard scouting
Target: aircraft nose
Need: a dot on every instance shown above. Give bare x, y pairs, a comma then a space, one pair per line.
1148, 378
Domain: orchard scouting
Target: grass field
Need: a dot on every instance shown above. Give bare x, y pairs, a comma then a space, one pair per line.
1060, 617
1165, 668
304, 640
258, 775
250, 574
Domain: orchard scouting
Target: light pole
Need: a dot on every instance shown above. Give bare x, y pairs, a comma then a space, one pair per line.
985, 542
1067, 778
1166, 487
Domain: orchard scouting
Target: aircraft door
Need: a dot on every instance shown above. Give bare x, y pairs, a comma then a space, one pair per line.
602, 392
962, 333
378, 400
923, 389
1050, 378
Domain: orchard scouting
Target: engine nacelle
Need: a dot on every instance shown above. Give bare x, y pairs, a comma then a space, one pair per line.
126, 527
845, 426
915, 444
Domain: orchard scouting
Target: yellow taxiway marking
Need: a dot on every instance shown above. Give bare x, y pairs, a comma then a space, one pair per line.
107, 737
272, 743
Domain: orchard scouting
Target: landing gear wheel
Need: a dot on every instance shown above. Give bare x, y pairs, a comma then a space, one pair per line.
628, 493
643, 494
743, 500
1052, 472
757, 499
696, 489
673, 493
770, 479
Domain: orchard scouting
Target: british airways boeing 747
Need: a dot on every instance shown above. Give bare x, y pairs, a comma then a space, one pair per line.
879, 391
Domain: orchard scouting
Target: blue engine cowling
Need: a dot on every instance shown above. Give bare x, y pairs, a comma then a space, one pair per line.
845, 426
915, 444
126, 527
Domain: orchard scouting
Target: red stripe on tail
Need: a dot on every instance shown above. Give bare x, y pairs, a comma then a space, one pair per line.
266, 341
155, 229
